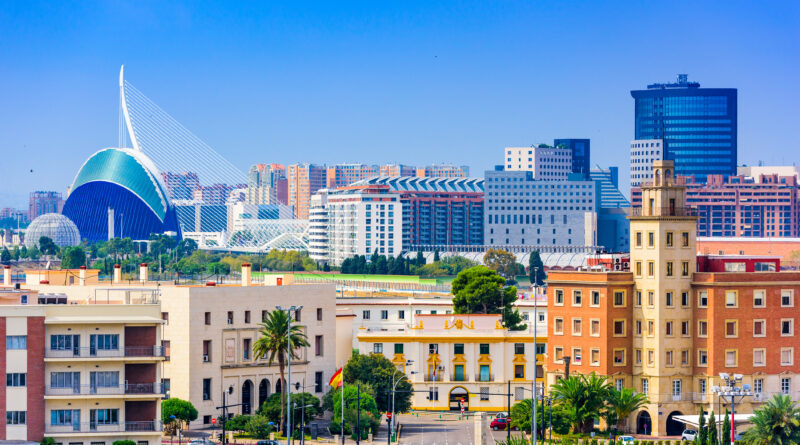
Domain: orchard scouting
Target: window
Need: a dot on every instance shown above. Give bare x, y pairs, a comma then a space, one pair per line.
619, 328
638, 238
264, 315
519, 371
433, 393
559, 297
484, 390
398, 348
297, 313
730, 298
619, 357
484, 373
318, 381
703, 386
677, 386
685, 239
638, 356
319, 314
668, 239
576, 298
685, 328
576, 356
206, 421
365, 315
764, 267
758, 386
638, 298
684, 268
638, 268
165, 317
787, 298
577, 326
17, 342
384, 314
735, 267
65, 380
15, 417
787, 327
105, 379
377, 348
65, 417
651, 239
787, 356
230, 317
318, 345
685, 299
594, 328
702, 298
685, 357
731, 358
702, 328
401, 315
61, 342
759, 298
247, 316
519, 348
246, 348
519, 393
651, 357
651, 328
558, 354
595, 298
651, 298
619, 298
637, 327
104, 416
558, 326
702, 357
786, 385
594, 357
669, 268
618, 384
645, 386
207, 317
104, 342
651, 269
484, 348
759, 328
668, 331
16, 379
206, 389
458, 348
206, 350
759, 356
669, 301
731, 328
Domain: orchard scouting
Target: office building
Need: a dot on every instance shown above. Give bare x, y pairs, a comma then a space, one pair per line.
180, 186
699, 125
363, 220
41, 202
267, 184
643, 154
544, 162
610, 196
342, 175
581, 154
462, 361
523, 211
304, 181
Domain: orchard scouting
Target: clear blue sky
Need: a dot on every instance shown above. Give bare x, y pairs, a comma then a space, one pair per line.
375, 82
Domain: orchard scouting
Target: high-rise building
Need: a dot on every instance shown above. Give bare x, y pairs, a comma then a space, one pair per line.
443, 171
180, 186
544, 162
700, 125
610, 196
643, 154
267, 184
342, 175
41, 202
215, 194
398, 170
318, 227
581, 154
304, 181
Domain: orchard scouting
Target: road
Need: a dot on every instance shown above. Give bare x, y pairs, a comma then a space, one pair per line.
429, 429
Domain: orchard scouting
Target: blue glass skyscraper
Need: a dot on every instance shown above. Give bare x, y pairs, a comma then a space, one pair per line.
700, 125
581, 154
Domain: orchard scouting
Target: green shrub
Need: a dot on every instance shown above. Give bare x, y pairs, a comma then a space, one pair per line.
49, 441
236, 423
258, 427
123, 442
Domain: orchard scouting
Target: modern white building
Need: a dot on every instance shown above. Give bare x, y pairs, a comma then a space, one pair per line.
363, 220
547, 163
318, 227
780, 170
523, 211
643, 153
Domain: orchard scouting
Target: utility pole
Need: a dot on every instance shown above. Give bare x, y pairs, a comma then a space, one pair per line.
224, 409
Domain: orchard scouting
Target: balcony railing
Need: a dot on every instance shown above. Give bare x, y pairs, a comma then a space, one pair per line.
433, 377
663, 211
95, 427
89, 352
485, 378
124, 389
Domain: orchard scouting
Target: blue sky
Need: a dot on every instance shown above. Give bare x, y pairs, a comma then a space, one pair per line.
376, 82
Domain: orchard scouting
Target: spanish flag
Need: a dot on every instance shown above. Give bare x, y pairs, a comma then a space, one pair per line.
336, 380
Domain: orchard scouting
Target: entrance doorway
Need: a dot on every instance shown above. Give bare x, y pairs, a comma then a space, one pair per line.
643, 423
247, 397
674, 428
459, 398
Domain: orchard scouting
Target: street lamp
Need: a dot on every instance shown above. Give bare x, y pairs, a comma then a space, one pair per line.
303, 410
731, 391
394, 387
289, 366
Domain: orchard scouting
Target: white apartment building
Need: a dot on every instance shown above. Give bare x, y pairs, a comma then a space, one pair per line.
523, 211
318, 227
363, 220
643, 153
546, 163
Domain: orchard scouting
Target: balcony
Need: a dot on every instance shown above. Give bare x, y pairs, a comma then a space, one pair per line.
129, 351
149, 426
151, 389
485, 378
433, 378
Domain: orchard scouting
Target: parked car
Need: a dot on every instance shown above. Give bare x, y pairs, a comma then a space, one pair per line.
201, 442
501, 415
625, 439
267, 442
688, 435
501, 424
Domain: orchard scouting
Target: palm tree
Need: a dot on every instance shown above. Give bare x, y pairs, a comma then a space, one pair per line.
622, 403
584, 397
273, 345
777, 422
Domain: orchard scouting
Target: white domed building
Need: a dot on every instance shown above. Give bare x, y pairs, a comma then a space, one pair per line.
55, 226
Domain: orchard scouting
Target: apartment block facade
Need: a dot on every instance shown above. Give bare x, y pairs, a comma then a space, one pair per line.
643, 154
41, 202
341, 175
304, 181
546, 163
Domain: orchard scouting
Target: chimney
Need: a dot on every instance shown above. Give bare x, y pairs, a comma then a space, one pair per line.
82, 276
143, 273
7, 276
117, 274
246, 274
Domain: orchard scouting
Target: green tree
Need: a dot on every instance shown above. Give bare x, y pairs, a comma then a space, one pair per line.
702, 430
521, 417
622, 403
377, 371
237, 423
259, 427
726, 429
47, 246
435, 255
536, 268
15, 253
5, 256
370, 415
73, 257
271, 408
776, 422
712, 429
420, 259
183, 410
455, 264
502, 262
584, 396
272, 345
479, 290
23, 252
48, 441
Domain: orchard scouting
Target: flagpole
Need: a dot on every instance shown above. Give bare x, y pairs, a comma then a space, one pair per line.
342, 411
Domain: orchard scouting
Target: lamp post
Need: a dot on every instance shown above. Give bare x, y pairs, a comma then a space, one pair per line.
303, 409
730, 392
289, 367
394, 388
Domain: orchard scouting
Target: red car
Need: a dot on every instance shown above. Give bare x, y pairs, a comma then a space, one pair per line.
501, 424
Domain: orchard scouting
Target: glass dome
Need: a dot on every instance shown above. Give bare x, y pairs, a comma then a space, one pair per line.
55, 226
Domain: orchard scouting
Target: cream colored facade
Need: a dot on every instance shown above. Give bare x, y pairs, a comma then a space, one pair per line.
454, 357
663, 260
